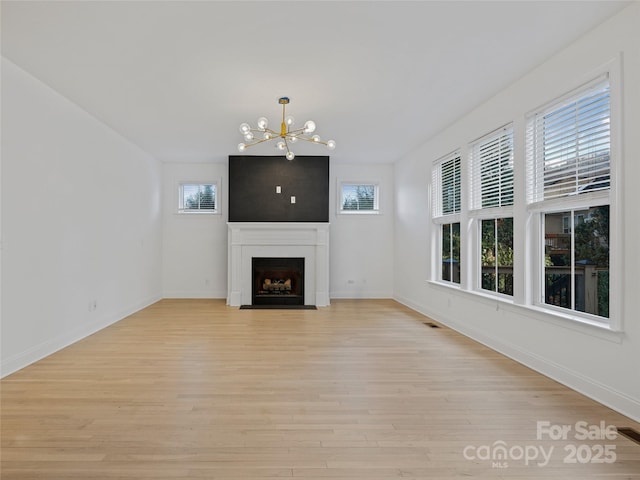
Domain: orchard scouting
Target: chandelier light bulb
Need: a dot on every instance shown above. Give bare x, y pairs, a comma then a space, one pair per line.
267, 136
290, 156
331, 144
309, 126
292, 139
281, 145
241, 147
289, 120
245, 128
248, 136
315, 138
262, 123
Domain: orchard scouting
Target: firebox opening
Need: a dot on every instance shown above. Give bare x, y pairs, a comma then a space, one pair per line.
277, 281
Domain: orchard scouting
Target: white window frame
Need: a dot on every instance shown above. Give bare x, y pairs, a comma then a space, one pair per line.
439, 218
187, 211
537, 208
477, 213
376, 197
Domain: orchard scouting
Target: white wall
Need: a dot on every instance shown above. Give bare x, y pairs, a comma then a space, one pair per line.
81, 224
195, 246
194, 259
361, 246
601, 365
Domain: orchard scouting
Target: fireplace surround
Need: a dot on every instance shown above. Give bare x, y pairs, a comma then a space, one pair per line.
307, 241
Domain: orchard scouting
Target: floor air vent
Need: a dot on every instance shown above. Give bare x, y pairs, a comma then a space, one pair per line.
630, 433
432, 325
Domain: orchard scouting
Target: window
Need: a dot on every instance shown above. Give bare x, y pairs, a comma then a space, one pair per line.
566, 226
491, 167
197, 198
568, 166
576, 264
496, 260
359, 198
446, 213
558, 204
451, 252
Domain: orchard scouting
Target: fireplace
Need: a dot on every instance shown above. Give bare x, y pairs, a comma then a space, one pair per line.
277, 281
250, 240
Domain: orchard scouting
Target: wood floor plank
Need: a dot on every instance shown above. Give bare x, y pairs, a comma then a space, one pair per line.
358, 390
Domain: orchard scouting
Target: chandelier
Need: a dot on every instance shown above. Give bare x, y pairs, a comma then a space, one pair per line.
286, 136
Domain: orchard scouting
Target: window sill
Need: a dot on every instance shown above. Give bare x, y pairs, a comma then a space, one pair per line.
359, 212
196, 213
450, 285
538, 313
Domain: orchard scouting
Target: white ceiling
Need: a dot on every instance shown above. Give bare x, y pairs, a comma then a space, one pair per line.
379, 77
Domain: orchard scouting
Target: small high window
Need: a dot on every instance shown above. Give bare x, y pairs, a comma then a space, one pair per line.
359, 198
198, 198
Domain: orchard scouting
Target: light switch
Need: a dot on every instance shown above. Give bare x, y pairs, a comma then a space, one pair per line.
278, 189
293, 199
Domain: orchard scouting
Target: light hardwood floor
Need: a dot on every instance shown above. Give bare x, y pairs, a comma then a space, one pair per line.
359, 390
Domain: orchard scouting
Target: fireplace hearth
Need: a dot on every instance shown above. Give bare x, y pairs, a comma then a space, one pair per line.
277, 280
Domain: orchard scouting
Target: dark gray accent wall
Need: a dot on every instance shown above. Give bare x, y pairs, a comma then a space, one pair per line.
253, 181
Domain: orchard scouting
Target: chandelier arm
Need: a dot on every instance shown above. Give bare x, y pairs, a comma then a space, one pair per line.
296, 132
262, 140
319, 142
266, 130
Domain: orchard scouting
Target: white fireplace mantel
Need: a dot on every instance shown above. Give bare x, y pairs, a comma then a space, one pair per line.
278, 239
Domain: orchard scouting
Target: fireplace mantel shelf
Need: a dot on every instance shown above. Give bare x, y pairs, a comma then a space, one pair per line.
278, 239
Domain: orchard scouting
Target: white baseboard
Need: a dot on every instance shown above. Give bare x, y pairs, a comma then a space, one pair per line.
46, 348
194, 294
350, 294
589, 387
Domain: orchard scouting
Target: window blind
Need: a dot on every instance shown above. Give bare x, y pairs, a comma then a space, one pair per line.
446, 186
568, 145
194, 197
492, 170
